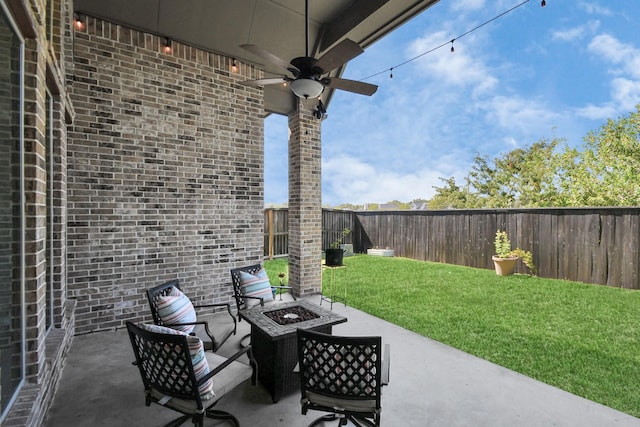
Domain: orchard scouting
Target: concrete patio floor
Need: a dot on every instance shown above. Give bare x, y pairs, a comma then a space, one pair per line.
431, 384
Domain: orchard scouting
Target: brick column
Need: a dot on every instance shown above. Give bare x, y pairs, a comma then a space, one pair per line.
305, 203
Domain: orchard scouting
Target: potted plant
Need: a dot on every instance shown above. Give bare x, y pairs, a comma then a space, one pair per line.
506, 258
334, 255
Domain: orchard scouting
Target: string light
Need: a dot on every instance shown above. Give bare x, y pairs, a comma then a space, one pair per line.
78, 22
543, 4
234, 66
391, 73
167, 45
452, 40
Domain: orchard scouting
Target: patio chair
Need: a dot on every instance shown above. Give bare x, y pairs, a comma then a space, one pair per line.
251, 287
178, 374
170, 307
343, 376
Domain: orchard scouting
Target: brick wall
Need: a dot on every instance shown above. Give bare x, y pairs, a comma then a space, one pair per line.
44, 349
165, 173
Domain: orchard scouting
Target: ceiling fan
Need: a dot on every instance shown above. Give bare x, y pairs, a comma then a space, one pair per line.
307, 73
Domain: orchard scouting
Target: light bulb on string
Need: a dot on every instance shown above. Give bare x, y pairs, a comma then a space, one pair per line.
167, 45
78, 22
452, 48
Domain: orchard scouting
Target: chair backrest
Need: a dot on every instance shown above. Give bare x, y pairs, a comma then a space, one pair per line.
339, 367
235, 281
154, 294
165, 364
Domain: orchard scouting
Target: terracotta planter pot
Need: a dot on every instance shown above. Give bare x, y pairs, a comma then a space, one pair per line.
504, 266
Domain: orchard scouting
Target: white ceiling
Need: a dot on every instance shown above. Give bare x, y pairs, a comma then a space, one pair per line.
278, 26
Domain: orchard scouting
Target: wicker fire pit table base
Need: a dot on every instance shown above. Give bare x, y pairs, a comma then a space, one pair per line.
273, 340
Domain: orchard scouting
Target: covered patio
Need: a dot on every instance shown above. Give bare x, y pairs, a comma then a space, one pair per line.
431, 384
134, 154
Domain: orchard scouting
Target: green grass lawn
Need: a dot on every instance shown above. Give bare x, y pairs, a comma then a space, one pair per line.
582, 338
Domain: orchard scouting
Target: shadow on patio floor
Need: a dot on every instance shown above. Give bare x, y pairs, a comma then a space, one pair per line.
430, 385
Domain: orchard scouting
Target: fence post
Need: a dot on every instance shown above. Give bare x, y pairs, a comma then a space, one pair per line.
270, 222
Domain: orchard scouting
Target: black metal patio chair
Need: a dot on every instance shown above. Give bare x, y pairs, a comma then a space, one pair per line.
251, 287
169, 308
178, 374
245, 299
343, 376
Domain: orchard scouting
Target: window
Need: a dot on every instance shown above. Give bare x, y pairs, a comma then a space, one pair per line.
11, 212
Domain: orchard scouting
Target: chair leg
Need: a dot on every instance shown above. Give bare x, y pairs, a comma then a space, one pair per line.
178, 421
361, 422
245, 341
222, 415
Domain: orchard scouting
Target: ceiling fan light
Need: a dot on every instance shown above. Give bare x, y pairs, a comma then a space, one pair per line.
306, 88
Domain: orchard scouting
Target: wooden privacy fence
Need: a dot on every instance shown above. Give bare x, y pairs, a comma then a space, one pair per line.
276, 229
591, 245
276, 232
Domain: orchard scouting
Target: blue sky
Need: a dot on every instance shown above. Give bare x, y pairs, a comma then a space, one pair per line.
538, 72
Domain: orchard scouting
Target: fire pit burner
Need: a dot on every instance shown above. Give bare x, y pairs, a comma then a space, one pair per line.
286, 316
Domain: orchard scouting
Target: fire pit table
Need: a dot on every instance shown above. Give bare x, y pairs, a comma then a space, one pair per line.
273, 339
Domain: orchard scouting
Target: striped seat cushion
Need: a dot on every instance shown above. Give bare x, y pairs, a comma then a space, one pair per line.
198, 359
175, 308
255, 285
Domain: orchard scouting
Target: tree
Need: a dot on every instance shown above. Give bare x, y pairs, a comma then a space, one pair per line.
451, 196
489, 186
531, 172
606, 172
521, 177
349, 206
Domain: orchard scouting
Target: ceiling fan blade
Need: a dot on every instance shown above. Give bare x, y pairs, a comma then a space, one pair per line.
265, 82
267, 56
354, 86
340, 54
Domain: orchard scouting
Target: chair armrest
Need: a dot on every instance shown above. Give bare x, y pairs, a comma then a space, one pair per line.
214, 343
219, 304
386, 362
171, 325
230, 360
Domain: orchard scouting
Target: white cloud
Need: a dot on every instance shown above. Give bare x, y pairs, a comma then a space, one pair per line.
594, 112
576, 33
351, 180
510, 142
625, 93
625, 56
624, 63
457, 68
468, 5
595, 9
518, 115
